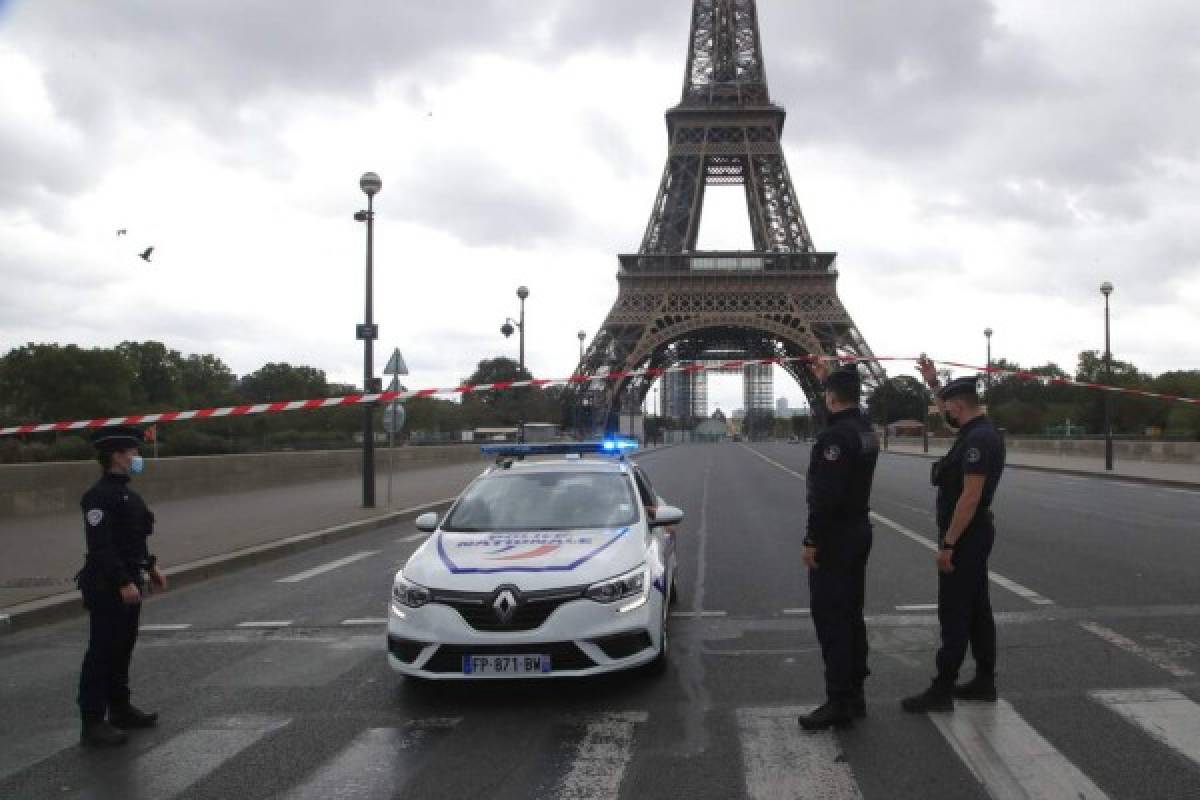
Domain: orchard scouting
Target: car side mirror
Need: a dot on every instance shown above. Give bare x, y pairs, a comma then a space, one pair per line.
666, 515
427, 522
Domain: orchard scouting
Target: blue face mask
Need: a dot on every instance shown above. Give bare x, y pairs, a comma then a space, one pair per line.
137, 465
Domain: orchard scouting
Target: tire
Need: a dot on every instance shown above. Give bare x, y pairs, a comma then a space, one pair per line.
659, 665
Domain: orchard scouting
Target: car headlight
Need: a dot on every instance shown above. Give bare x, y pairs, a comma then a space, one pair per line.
633, 585
407, 593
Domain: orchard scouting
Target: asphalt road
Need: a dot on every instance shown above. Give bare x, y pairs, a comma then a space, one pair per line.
1097, 588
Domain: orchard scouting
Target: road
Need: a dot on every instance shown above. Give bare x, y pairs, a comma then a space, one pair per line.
280, 689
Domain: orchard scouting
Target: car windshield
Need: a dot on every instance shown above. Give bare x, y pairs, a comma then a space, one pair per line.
512, 501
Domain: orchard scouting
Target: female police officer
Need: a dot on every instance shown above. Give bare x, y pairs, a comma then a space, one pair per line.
966, 480
113, 580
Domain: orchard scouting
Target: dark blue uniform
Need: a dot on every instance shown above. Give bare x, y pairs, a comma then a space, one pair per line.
840, 472
964, 607
116, 523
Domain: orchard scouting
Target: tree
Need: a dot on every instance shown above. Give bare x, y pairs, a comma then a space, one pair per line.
206, 381
275, 382
50, 382
902, 397
158, 374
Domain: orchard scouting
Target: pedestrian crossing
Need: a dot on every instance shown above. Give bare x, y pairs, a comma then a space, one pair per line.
994, 746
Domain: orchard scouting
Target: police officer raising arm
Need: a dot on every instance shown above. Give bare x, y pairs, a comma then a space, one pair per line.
117, 572
837, 544
966, 479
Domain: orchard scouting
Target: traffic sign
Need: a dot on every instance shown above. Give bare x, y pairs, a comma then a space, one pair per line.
396, 365
393, 418
366, 332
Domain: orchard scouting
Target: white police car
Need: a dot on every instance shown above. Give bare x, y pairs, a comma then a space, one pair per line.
541, 568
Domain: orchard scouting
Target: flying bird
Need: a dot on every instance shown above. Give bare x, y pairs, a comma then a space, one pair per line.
121, 232
146, 255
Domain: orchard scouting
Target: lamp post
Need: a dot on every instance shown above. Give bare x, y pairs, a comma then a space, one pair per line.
507, 330
582, 337
1106, 289
988, 333
370, 183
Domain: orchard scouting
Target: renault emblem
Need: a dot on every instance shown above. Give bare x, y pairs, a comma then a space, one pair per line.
505, 604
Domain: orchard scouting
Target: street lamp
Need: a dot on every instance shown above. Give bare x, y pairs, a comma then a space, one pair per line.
988, 333
507, 330
370, 183
582, 337
1106, 289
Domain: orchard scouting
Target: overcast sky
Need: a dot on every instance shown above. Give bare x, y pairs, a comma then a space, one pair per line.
974, 164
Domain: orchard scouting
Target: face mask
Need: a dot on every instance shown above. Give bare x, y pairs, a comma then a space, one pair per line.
951, 420
137, 465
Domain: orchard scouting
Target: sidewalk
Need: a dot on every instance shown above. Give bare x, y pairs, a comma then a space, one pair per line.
39, 555
1148, 471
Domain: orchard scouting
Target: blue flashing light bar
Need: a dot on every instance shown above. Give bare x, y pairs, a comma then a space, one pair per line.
610, 447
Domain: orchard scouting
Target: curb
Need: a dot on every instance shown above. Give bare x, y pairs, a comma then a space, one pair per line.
1080, 473
66, 605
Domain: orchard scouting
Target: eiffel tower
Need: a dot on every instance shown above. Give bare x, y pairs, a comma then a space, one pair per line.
676, 304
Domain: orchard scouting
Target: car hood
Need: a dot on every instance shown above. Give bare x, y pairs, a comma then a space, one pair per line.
536, 560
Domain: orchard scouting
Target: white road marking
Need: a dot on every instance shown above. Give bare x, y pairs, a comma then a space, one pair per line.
918, 607
366, 621
1009, 757
413, 538
797, 611
181, 626
169, 769
376, 764
996, 578
698, 614
271, 623
332, 565
782, 762
601, 757
1130, 646
1165, 714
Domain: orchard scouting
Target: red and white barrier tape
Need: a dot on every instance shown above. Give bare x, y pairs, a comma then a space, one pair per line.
387, 397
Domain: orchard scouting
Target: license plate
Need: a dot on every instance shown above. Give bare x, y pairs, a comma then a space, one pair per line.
506, 665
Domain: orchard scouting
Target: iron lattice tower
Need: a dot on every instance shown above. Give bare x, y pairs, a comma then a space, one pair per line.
677, 304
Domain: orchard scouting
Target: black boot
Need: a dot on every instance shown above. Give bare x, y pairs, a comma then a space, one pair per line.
127, 717
101, 734
834, 714
858, 704
981, 689
937, 697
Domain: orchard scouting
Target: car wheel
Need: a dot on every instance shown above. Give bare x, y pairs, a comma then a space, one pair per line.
659, 665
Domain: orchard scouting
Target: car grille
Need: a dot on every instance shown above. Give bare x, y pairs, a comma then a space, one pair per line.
532, 611
564, 656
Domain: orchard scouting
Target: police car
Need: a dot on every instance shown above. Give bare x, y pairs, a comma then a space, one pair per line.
547, 567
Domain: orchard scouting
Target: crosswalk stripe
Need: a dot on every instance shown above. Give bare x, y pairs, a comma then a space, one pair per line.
1165, 714
783, 762
323, 568
375, 764
601, 757
169, 769
1009, 757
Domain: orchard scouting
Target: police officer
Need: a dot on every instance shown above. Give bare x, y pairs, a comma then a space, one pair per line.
840, 471
113, 581
966, 480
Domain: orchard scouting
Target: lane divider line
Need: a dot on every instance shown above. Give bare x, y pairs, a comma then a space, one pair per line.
996, 578
323, 568
414, 538
274, 623
797, 611
918, 607
182, 626
698, 614
1130, 646
366, 621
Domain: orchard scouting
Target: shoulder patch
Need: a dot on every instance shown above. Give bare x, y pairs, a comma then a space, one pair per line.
973, 455
94, 517
833, 452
